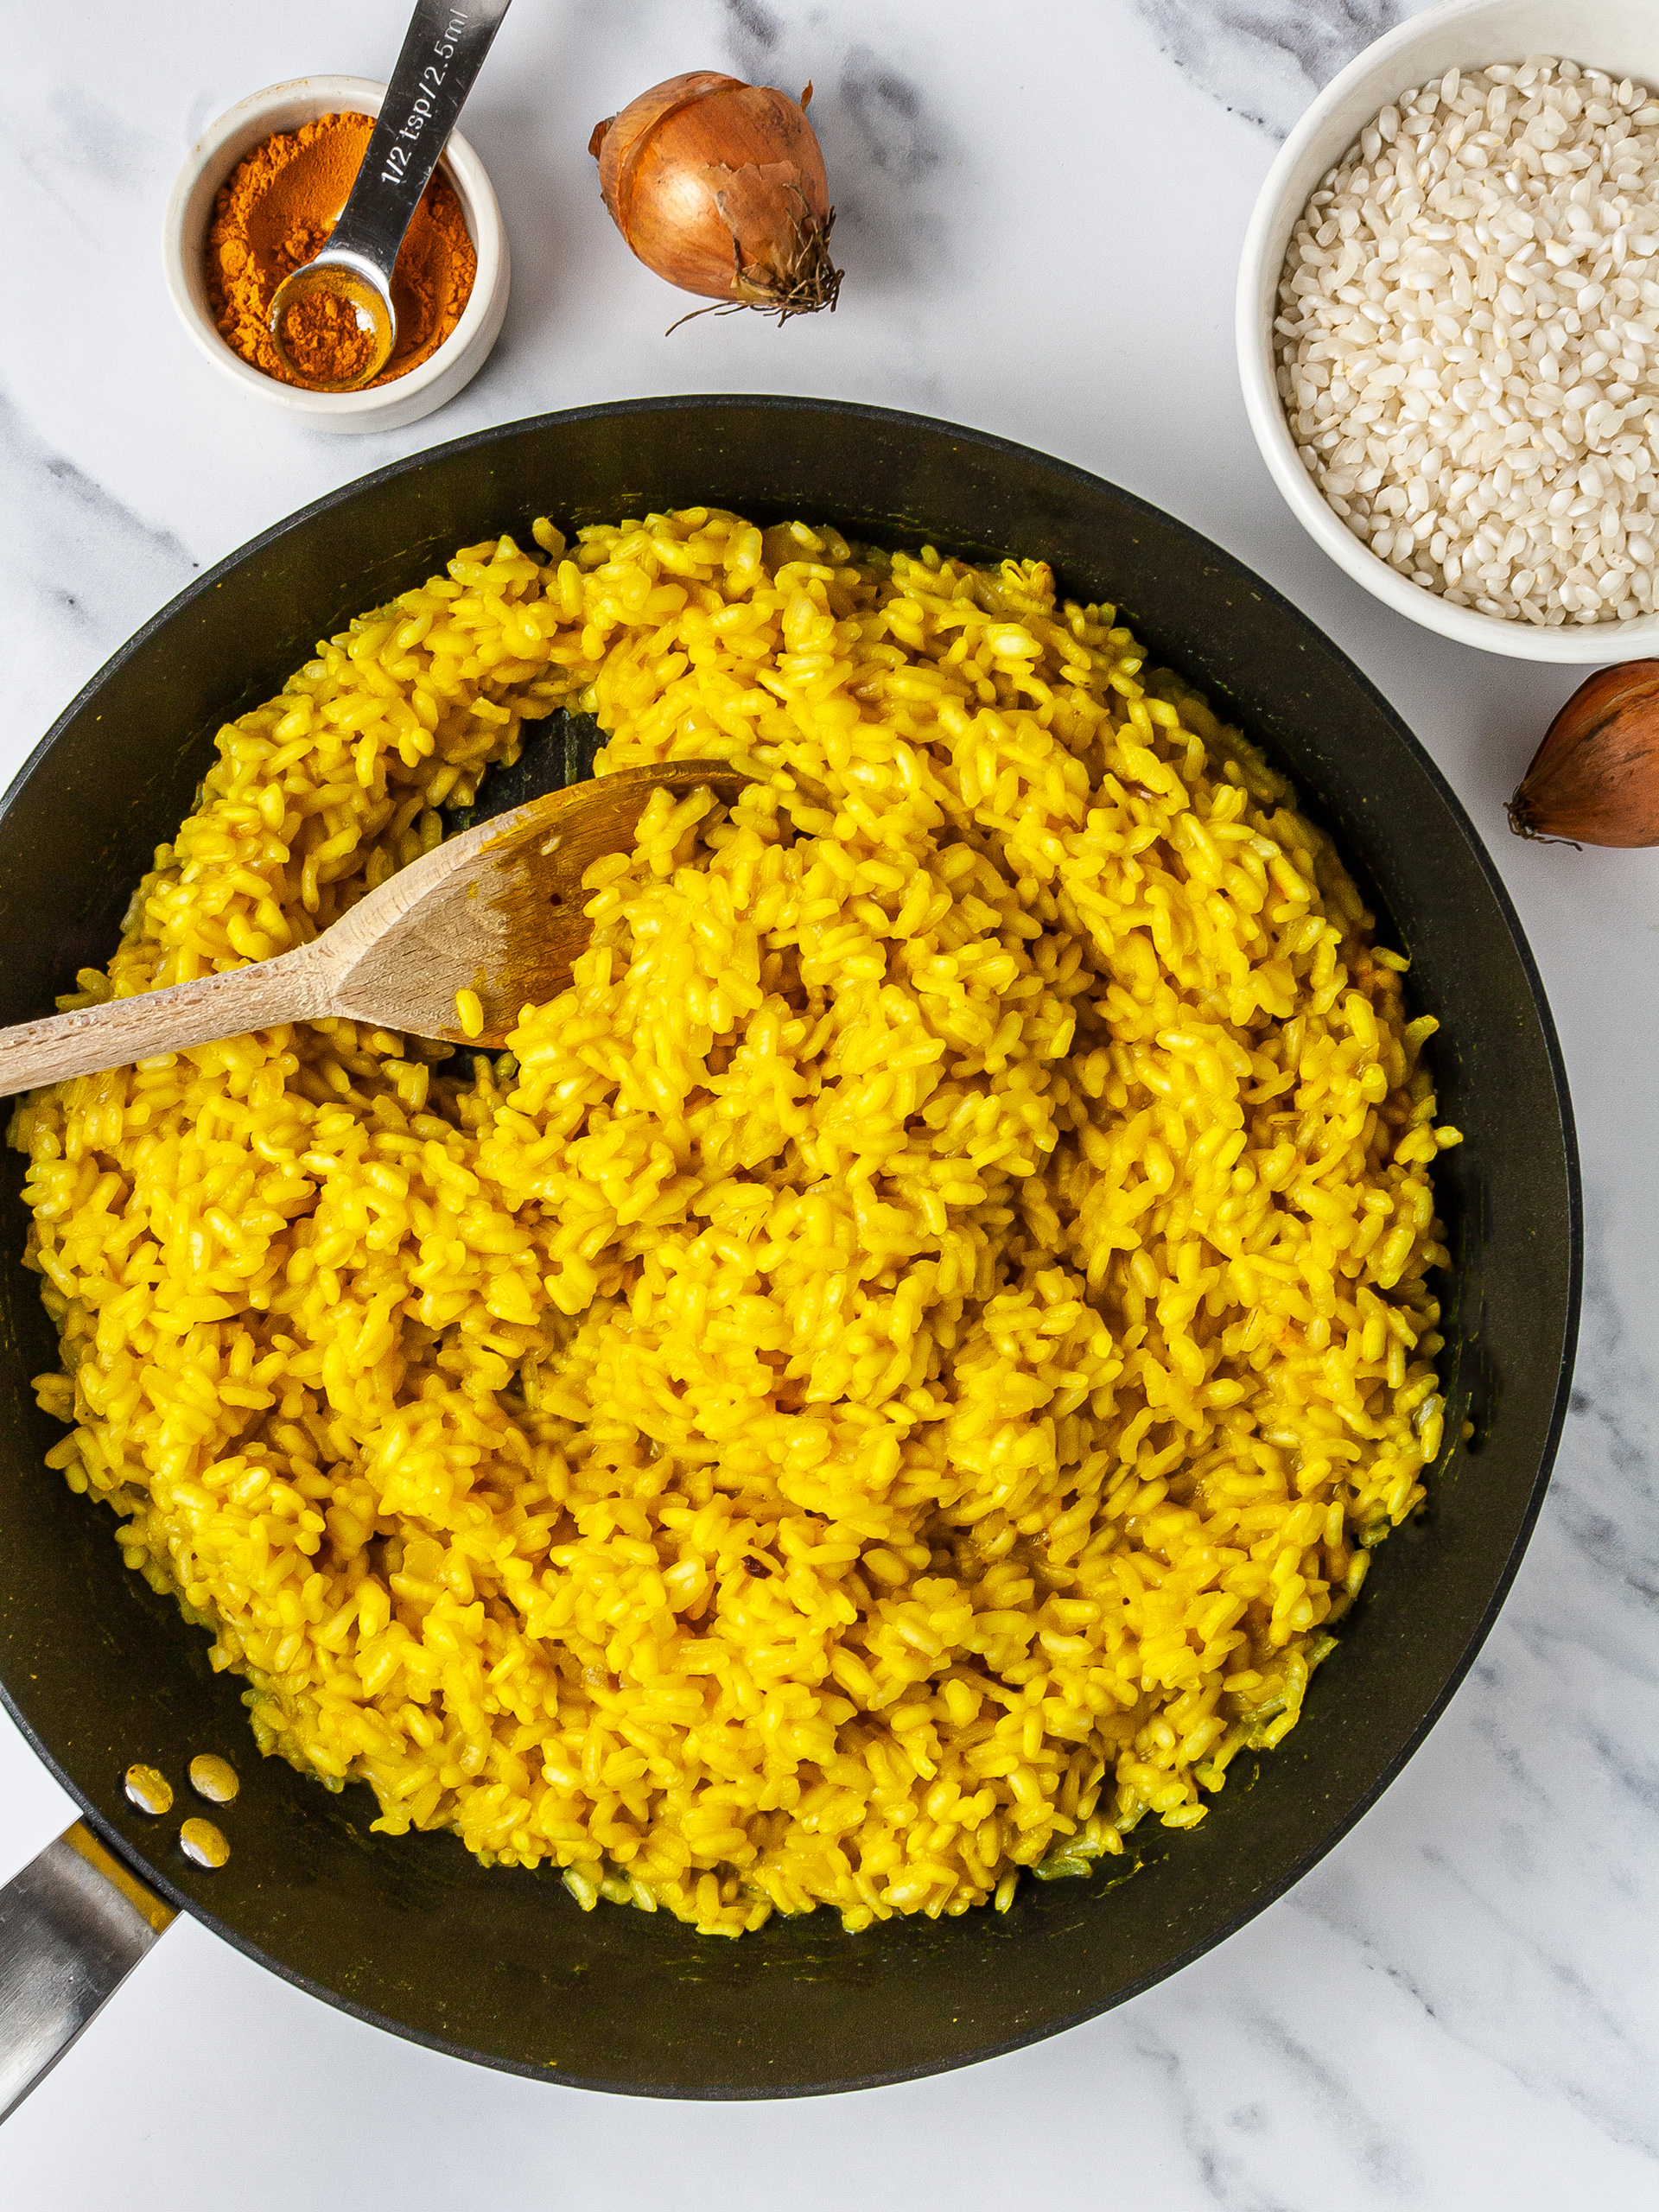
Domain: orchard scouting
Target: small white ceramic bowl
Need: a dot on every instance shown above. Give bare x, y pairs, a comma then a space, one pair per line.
190, 210
1619, 36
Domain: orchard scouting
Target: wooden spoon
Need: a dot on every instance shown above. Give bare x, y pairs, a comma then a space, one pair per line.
497, 909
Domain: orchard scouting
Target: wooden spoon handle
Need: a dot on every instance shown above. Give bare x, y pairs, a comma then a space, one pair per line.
293, 988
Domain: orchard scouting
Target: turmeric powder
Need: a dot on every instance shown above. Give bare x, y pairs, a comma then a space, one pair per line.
328, 339
274, 213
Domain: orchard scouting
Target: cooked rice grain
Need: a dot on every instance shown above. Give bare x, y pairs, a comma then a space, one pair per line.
893, 1379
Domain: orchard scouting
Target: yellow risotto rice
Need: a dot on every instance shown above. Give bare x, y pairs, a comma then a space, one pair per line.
893, 1380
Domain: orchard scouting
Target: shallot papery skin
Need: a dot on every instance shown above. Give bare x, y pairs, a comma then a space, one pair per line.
719, 186
1595, 779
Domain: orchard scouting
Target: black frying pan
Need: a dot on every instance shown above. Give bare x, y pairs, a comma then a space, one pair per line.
501, 1966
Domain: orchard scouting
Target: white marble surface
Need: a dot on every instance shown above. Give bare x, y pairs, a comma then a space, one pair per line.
1041, 210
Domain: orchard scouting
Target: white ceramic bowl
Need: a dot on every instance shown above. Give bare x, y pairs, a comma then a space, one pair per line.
190, 212
1619, 36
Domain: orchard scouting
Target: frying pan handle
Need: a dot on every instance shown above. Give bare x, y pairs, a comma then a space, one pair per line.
73, 1926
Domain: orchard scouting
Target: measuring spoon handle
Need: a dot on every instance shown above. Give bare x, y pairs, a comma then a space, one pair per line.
442, 52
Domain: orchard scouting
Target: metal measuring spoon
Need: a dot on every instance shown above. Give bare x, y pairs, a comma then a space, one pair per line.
443, 50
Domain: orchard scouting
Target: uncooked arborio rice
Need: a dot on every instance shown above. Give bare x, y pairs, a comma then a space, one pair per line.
1468, 341
894, 1380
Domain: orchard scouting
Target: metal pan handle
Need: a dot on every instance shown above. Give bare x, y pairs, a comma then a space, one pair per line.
73, 1926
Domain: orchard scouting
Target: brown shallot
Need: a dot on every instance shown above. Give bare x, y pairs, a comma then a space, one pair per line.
1595, 779
719, 186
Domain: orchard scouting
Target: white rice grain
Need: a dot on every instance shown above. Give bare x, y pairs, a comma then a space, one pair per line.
1468, 341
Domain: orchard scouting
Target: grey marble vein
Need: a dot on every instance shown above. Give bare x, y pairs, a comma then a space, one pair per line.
1604, 1494
91, 138
1264, 60
1222, 2172
1386, 2165
1600, 2068
754, 34
887, 148
74, 560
